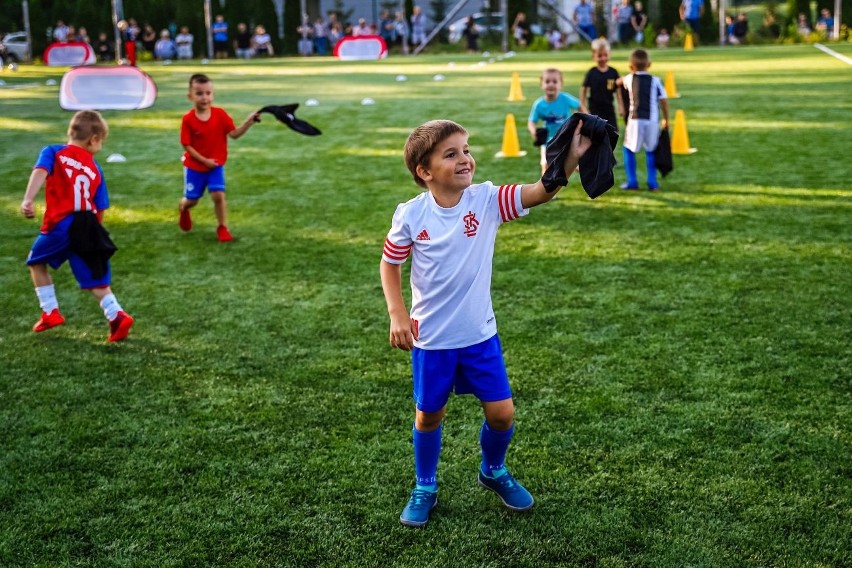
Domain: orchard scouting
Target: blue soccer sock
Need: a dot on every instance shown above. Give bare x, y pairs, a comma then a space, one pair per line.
651, 163
427, 450
630, 167
494, 445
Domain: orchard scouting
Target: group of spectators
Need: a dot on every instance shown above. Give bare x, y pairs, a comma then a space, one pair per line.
320, 36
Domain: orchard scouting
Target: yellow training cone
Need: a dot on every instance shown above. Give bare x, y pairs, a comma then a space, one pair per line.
511, 146
680, 139
687, 43
671, 88
515, 93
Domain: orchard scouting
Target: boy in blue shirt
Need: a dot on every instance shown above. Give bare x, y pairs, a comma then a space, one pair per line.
553, 108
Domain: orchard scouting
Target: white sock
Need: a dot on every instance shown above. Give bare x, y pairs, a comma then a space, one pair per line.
110, 306
47, 298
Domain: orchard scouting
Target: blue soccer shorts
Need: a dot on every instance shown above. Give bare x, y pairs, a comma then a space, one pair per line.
194, 183
54, 248
478, 370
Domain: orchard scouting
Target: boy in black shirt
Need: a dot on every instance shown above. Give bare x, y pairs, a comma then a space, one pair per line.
599, 85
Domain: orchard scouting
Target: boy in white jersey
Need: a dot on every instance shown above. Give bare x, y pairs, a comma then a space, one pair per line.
449, 232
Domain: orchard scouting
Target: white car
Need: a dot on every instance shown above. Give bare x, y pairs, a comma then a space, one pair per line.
14, 47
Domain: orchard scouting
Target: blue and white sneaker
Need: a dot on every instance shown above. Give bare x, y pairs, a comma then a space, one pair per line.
513, 494
418, 508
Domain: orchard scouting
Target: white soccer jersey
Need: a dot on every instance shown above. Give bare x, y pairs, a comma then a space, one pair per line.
643, 126
451, 252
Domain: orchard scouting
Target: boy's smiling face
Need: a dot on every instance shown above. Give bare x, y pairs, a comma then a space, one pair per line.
551, 84
451, 165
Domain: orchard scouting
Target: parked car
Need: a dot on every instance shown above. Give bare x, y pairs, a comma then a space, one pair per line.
14, 47
485, 23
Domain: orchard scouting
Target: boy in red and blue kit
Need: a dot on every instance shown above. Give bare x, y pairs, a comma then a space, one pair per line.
75, 199
449, 232
204, 133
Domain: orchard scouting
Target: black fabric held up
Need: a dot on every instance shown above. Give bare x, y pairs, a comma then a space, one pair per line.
663, 153
91, 242
595, 165
286, 114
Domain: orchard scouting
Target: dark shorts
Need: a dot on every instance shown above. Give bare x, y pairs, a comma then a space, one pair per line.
478, 370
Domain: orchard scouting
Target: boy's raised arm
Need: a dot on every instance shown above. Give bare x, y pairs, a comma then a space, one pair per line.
535, 193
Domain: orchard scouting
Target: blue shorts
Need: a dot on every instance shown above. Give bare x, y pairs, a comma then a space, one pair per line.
478, 370
54, 248
194, 183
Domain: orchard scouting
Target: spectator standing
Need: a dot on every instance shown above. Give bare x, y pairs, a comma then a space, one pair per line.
521, 30
60, 32
321, 36
471, 34
220, 37
305, 44
584, 17
402, 32
387, 28
148, 39
639, 21
625, 23
242, 42
690, 12
418, 26
184, 41
825, 23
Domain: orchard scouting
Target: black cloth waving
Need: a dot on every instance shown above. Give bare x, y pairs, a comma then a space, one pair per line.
595, 165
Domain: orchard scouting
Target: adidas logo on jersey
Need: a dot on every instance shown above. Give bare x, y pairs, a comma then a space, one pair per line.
423, 236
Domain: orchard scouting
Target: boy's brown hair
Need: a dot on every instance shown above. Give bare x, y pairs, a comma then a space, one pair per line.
640, 60
85, 124
423, 140
199, 78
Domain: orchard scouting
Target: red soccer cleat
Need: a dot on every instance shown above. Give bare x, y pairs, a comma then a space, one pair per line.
120, 326
223, 234
48, 320
185, 220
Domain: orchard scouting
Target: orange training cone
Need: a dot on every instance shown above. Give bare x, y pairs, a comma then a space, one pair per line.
671, 88
511, 146
687, 43
515, 93
680, 139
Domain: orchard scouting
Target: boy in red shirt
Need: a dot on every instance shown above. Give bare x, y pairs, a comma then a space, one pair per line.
75, 199
204, 134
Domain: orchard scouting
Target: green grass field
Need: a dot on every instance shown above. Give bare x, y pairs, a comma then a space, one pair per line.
680, 360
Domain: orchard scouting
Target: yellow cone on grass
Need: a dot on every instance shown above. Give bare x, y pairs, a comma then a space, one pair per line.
515, 93
687, 43
671, 88
680, 138
511, 146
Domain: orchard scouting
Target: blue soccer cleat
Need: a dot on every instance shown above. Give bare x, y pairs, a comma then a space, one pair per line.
513, 494
418, 508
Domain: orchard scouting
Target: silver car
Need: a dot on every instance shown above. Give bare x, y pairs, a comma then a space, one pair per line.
14, 47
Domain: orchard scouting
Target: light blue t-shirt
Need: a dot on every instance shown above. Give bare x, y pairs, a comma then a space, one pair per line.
554, 113
585, 14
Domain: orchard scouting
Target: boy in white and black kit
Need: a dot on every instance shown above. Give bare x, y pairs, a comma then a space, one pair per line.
449, 232
647, 99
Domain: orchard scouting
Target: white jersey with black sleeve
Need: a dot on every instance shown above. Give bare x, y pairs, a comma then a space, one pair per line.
451, 253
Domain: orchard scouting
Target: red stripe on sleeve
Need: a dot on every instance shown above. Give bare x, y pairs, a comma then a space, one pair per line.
506, 198
396, 252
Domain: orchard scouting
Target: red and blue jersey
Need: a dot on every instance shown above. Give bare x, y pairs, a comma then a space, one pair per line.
75, 182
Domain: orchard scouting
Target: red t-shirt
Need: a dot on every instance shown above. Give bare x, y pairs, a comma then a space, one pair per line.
74, 182
209, 137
